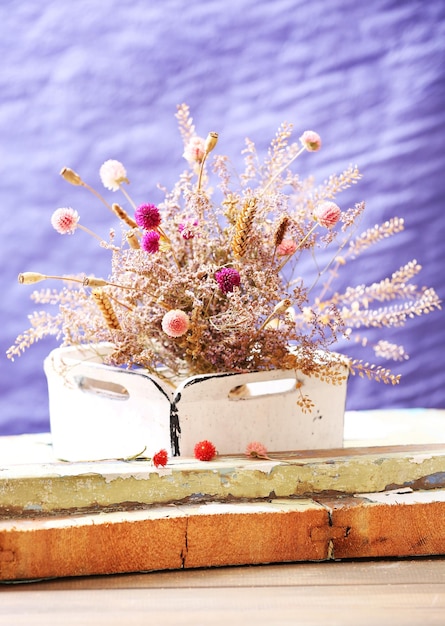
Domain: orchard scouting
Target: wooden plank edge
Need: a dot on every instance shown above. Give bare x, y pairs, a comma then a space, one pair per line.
400, 523
221, 534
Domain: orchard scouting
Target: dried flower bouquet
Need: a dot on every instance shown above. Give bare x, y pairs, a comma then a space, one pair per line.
208, 280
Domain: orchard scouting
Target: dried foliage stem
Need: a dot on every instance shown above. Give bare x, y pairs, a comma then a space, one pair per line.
127, 195
201, 171
90, 232
298, 247
98, 195
281, 170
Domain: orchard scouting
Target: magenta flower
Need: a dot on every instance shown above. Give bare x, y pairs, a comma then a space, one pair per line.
227, 279
147, 216
311, 140
150, 241
327, 214
112, 173
194, 150
175, 323
256, 449
286, 247
187, 230
65, 220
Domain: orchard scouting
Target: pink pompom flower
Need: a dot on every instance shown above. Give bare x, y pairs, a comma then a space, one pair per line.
311, 140
227, 278
187, 229
256, 449
112, 173
147, 216
150, 241
194, 150
65, 220
286, 247
327, 214
175, 323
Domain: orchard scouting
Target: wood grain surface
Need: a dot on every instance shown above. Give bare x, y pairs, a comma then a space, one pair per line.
365, 593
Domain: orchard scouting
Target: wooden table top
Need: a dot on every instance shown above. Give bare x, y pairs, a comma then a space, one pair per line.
407, 592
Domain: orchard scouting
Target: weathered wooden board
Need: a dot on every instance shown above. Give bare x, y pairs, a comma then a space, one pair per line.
184, 536
71, 519
53, 487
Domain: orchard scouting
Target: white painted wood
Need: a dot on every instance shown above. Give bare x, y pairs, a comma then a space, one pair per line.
100, 412
90, 422
208, 410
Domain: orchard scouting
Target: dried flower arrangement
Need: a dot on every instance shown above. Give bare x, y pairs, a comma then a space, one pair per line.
200, 284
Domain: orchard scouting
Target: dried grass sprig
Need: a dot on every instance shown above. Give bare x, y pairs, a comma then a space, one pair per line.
277, 153
373, 372
42, 325
390, 288
390, 351
185, 122
389, 316
375, 234
251, 161
335, 184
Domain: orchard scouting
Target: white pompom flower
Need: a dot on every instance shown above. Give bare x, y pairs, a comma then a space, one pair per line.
112, 174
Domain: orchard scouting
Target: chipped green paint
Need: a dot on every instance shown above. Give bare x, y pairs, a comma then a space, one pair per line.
52, 487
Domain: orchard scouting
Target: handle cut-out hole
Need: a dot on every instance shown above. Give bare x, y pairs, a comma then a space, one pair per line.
106, 389
262, 388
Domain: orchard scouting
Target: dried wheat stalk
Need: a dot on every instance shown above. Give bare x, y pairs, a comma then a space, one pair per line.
243, 227
104, 304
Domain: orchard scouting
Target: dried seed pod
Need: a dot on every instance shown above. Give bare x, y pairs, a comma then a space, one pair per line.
279, 308
132, 239
104, 304
281, 230
71, 176
282, 306
91, 281
28, 278
211, 141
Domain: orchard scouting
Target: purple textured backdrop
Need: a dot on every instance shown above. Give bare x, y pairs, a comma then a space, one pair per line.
85, 81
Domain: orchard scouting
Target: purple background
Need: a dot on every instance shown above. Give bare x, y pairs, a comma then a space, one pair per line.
84, 81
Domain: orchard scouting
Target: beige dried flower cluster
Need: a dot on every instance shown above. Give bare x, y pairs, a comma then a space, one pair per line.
209, 280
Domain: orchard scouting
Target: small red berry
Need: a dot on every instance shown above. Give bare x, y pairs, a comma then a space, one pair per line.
205, 450
160, 458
